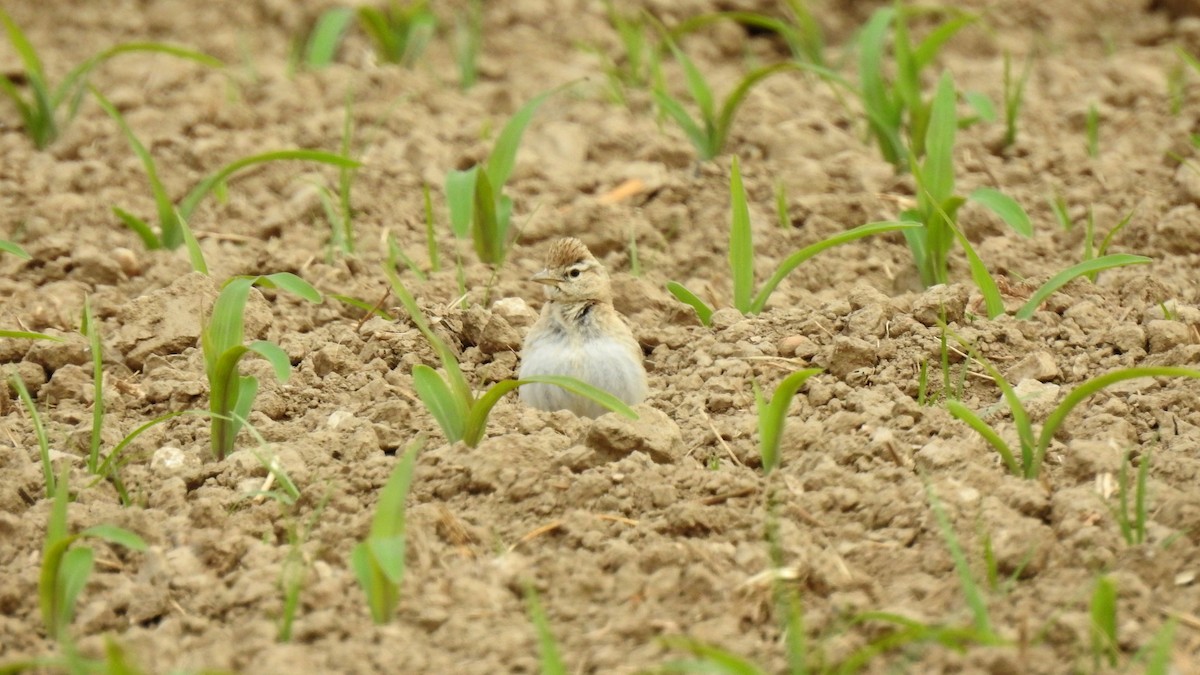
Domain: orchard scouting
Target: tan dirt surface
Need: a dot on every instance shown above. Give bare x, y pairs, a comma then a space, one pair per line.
629, 531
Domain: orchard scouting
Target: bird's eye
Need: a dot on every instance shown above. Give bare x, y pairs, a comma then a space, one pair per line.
574, 274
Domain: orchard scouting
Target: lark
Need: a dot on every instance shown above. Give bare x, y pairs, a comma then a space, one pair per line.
580, 334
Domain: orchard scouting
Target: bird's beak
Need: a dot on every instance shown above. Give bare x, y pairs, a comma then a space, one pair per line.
544, 277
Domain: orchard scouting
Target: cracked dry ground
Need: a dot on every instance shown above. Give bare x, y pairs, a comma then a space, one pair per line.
629, 531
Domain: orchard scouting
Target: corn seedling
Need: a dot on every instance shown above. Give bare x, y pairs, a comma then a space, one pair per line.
27, 335
322, 44
231, 394
548, 653
635, 67
741, 256
1157, 653
773, 413
1032, 450
39, 430
1103, 611
173, 229
459, 412
1132, 521
91, 331
801, 32
378, 562
431, 244
468, 42
13, 249
937, 203
709, 132
42, 111
65, 566
1014, 96
971, 592
479, 209
1092, 129
401, 32
338, 211
897, 114
1058, 206
1092, 252
295, 569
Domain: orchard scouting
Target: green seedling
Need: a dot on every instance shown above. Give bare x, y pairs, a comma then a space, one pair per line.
1103, 609
898, 115
173, 229
14, 249
1032, 450
1132, 521
396, 257
231, 394
39, 430
1092, 129
1058, 206
1090, 252
431, 244
773, 413
741, 256
468, 43
1158, 652
27, 335
378, 562
1176, 88
937, 203
635, 67
337, 207
91, 331
551, 659
459, 412
42, 111
710, 131
801, 32
1014, 97
321, 47
971, 591
479, 209
401, 32
65, 566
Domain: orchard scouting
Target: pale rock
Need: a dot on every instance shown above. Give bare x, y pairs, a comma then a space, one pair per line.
939, 454
1038, 366
850, 354
172, 460
1164, 335
515, 311
950, 301
654, 433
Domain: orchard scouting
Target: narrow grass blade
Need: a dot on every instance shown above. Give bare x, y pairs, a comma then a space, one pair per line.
504, 153
431, 245
970, 589
326, 37
39, 431
552, 663
773, 414
1083, 391
690, 128
711, 659
741, 247
489, 228
446, 408
140, 227
1071, 273
10, 247
189, 203
703, 311
28, 335
460, 199
796, 259
1104, 622
74, 569
113, 460
171, 236
1004, 206
275, 355
938, 171
92, 332
291, 283
988, 433
735, 98
929, 48
478, 414
457, 381
992, 299
883, 113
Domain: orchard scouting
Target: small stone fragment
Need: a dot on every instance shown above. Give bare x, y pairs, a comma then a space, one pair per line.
615, 436
938, 302
1038, 366
1164, 335
850, 354
515, 311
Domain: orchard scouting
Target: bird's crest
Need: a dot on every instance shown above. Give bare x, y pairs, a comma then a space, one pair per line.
565, 252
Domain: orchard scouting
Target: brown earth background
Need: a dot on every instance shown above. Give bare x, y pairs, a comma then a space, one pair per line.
629, 531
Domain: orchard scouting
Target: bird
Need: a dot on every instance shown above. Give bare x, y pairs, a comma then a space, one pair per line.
580, 334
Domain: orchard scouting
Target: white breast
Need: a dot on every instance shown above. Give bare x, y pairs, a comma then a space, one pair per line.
602, 362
